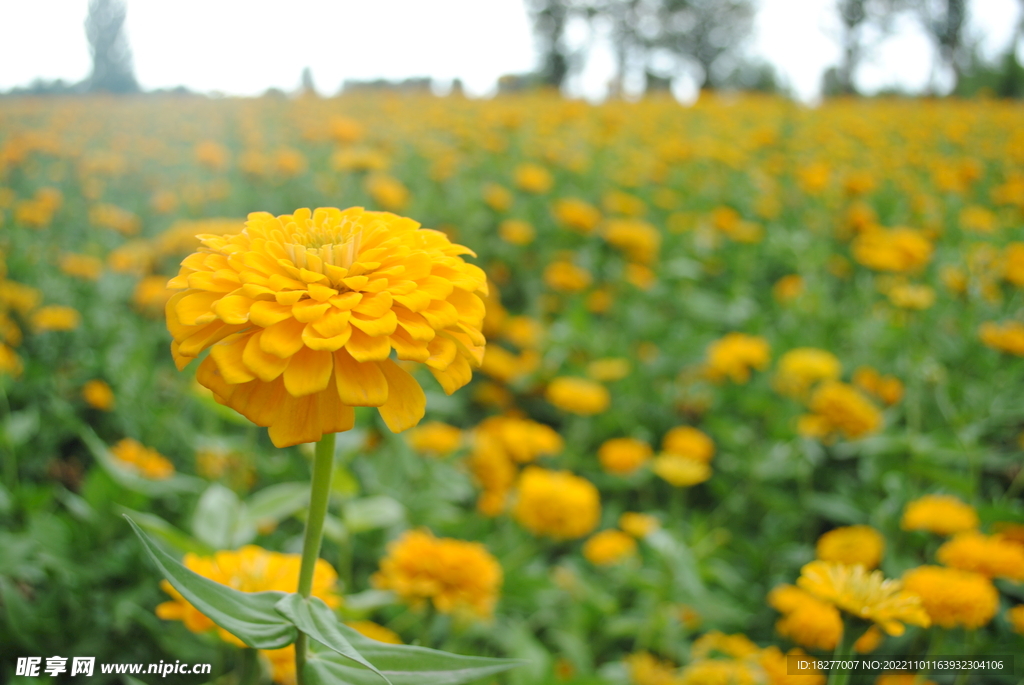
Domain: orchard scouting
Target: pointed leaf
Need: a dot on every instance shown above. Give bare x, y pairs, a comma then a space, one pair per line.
250, 616
316, 620
402, 664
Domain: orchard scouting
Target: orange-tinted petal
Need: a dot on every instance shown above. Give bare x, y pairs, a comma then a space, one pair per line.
359, 384
308, 372
406, 403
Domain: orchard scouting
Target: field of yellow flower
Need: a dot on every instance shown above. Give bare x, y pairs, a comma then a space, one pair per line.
753, 380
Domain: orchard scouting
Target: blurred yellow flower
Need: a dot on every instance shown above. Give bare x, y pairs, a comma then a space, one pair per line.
56, 318
690, 442
112, 216
388, 192
636, 238
978, 219
497, 197
566, 277
801, 368
516, 232
638, 525
608, 369
151, 294
681, 471
578, 395
98, 395
301, 313
735, 355
897, 249
81, 266
576, 214
865, 595
375, 631
912, 296
1016, 618
903, 679
852, 545
456, 576
788, 288
556, 503
1013, 264
1004, 337
839, 408
953, 598
992, 556
622, 456
533, 178
146, 461
646, 669
434, 438
609, 547
940, 514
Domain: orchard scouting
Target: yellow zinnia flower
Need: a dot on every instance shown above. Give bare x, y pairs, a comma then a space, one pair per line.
578, 395
990, 555
638, 525
300, 313
623, 455
98, 395
454, 575
852, 545
681, 471
839, 408
56, 318
940, 514
952, 597
609, 547
556, 503
801, 368
434, 438
865, 595
734, 355
146, 461
687, 441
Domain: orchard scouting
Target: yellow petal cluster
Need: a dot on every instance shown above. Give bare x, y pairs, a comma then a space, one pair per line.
852, 545
98, 395
500, 444
301, 313
897, 249
638, 240
578, 395
146, 461
1007, 336
435, 438
992, 556
801, 368
56, 318
454, 575
735, 355
865, 595
638, 525
557, 504
806, 620
838, 408
623, 456
689, 442
609, 547
939, 514
576, 214
953, 598
889, 389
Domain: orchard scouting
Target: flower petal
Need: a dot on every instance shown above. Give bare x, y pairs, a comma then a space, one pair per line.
283, 338
406, 403
263, 365
308, 372
363, 348
359, 384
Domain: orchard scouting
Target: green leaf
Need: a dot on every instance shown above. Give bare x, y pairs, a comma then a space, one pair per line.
220, 519
176, 538
128, 478
316, 620
369, 513
273, 504
249, 616
401, 664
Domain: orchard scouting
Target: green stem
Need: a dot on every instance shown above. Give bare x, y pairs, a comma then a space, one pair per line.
320, 493
249, 670
961, 677
844, 650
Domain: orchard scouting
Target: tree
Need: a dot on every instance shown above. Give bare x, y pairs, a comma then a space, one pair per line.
856, 17
550, 18
944, 21
706, 33
112, 70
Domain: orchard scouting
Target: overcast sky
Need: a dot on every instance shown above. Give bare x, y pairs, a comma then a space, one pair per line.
244, 47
